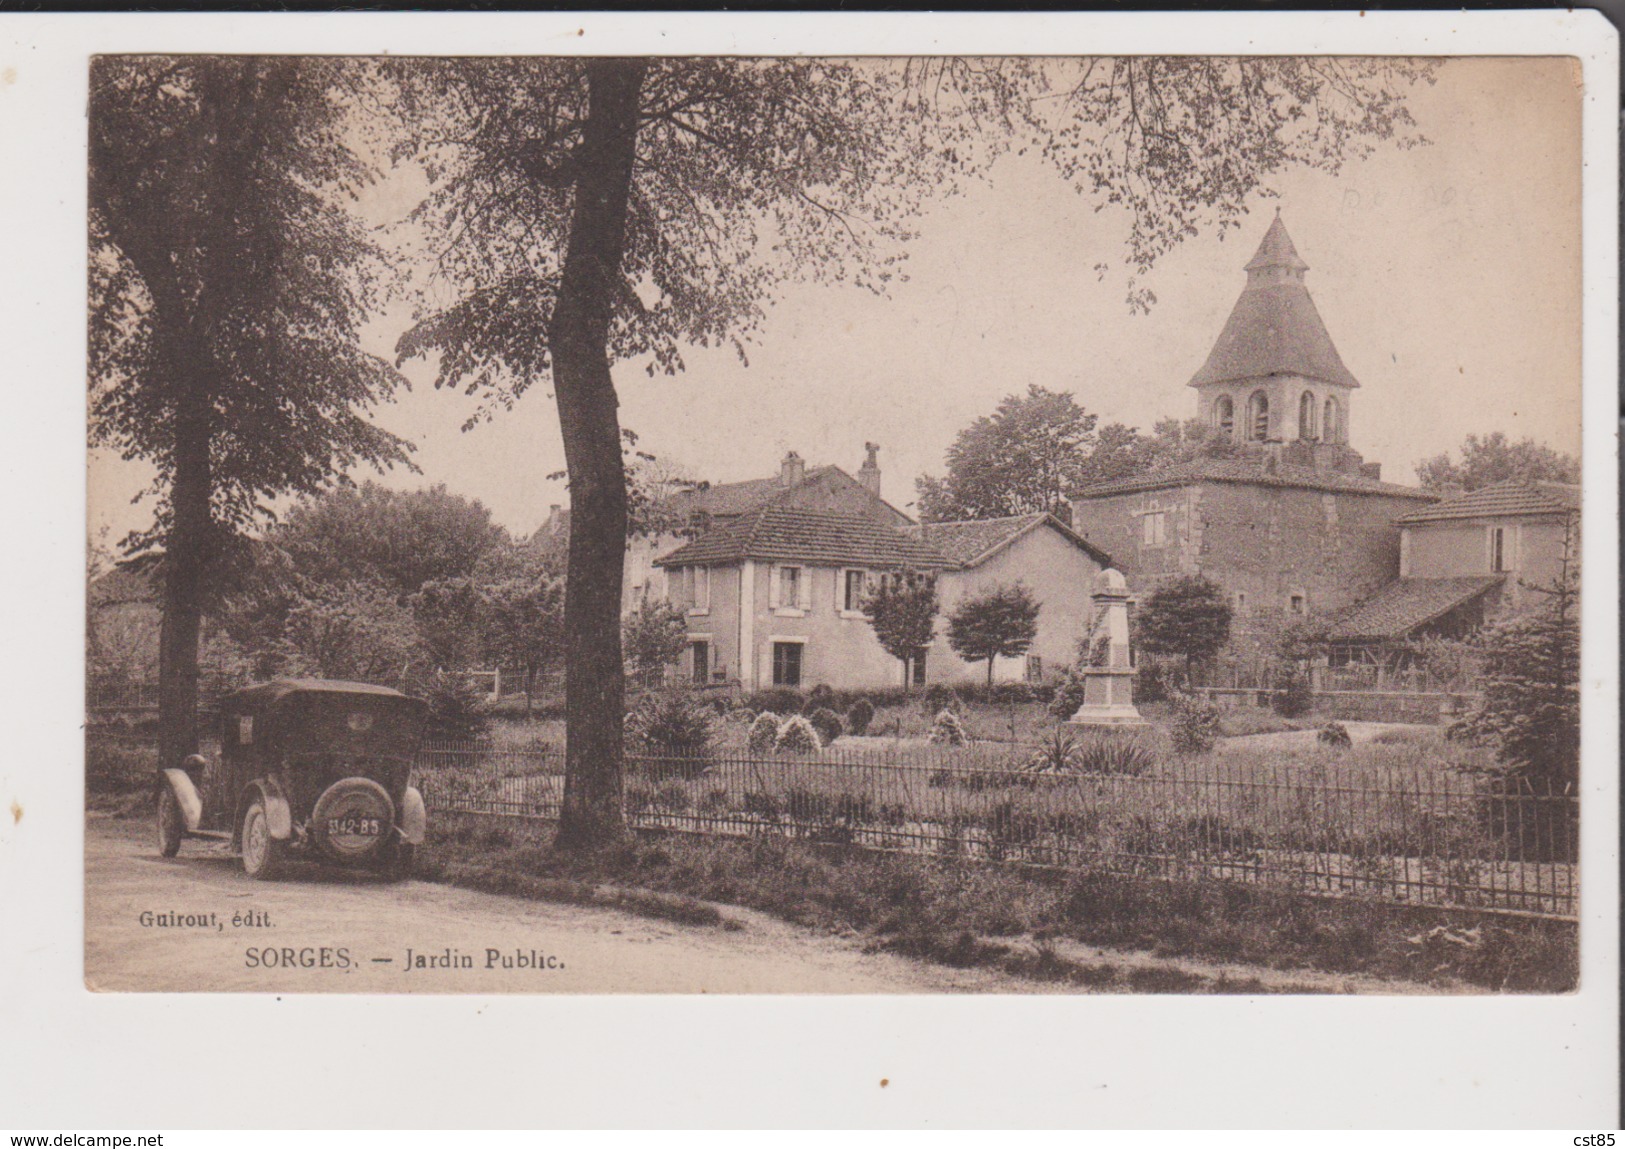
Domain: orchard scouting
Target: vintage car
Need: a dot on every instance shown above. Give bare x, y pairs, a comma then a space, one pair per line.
307, 768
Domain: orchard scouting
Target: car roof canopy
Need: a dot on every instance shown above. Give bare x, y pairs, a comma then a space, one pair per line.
266, 696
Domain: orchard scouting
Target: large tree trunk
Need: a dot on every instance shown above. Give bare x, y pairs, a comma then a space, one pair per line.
595, 686
186, 556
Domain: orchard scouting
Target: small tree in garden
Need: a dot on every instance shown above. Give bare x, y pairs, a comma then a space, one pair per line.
1001, 622
653, 637
1187, 616
902, 609
827, 723
859, 717
524, 626
1531, 684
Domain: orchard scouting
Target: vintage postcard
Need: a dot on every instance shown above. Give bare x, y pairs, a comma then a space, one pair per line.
854, 571
819, 525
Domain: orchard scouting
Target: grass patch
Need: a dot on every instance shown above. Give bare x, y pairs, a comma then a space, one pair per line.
974, 916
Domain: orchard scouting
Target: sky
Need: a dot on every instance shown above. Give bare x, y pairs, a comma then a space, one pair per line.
1448, 276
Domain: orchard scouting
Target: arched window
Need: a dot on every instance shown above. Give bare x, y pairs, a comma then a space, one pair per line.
1224, 416
1258, 417
1332, 426
1306, 415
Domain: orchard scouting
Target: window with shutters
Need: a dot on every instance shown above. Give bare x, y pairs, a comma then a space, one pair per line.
1498, 550
850, 589
1154, 529
789, 590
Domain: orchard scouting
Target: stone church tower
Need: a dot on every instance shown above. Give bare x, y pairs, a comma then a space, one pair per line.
1274, 381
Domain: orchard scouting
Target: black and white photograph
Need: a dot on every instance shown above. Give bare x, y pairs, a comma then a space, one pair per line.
876, 525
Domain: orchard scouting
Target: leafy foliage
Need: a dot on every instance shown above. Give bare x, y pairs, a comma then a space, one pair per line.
399, 540
673, 722
999, 622
1530, 705
653, 637
227, 272
1028, 456
1188, 616
902, 610
1195, 725
1494, 458
1292, 695
940, 696
456, 706
859, 717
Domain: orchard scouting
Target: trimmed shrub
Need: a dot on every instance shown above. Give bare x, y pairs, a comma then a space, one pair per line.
827, 723
859, 717
764, 733
1292, 696
1334, 734
1195, 725
797, 736
781, 700
1011, 694
820, 697
947, 730
742, 716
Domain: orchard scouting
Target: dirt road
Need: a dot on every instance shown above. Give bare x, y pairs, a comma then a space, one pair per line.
197, 923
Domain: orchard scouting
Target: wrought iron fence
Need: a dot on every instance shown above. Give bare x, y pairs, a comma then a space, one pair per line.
1415, 836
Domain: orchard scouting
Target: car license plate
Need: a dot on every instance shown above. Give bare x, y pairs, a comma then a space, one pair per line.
355, 827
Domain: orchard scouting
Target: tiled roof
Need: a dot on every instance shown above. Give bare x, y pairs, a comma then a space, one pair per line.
821, 538
1513, 497
1251, 470
722, 500
1274, 328
973, 541
1407, 603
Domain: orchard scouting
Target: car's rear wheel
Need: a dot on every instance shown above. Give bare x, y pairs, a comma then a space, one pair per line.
171, 823
263, 855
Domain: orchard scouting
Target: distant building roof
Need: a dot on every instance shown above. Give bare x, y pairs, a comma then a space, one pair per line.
1512, 497
725, 499
1274, 328
823, 538
1407, 604
972, 542
1254, 470
125, 584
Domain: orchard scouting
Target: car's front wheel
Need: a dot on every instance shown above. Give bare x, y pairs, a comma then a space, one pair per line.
263, 855
171, 823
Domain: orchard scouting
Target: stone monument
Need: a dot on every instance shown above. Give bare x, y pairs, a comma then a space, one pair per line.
1108, 682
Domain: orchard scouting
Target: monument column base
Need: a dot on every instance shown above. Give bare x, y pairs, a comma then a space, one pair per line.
1108, 699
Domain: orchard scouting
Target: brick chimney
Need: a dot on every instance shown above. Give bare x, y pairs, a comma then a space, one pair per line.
869, 473
792, 470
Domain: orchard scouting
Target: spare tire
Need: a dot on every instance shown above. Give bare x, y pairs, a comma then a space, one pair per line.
351, 818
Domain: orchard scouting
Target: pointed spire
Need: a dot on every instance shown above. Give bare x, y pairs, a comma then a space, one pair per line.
1277, 249
1274, 328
